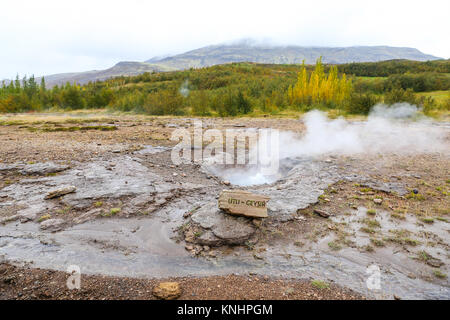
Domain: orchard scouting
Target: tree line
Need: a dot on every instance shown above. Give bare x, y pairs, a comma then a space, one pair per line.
241, 88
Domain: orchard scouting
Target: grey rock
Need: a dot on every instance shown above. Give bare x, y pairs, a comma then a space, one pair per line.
52, 224
234, 230
321, 213
93, 181
221, 227
59, 192
152, 150
304, 181
43, 168
434, 262
142, 200
208, 238
33, 210
8, 167
79, 205
92, 214
388, 187
9, 219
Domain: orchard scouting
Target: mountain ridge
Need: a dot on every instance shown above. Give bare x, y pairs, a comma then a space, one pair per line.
219, 54
242, 52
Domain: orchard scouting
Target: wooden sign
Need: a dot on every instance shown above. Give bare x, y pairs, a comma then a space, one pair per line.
244, 203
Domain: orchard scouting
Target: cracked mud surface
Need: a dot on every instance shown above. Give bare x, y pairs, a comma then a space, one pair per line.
135, 214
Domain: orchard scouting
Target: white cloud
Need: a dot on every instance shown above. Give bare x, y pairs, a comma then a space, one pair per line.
44, 37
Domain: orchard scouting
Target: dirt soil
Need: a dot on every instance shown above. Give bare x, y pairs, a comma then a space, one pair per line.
24, 283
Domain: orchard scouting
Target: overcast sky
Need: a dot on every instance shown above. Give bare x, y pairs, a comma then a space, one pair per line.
46, 37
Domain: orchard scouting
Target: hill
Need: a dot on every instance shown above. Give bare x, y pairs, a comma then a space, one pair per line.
220, 54
243, 52
125, 68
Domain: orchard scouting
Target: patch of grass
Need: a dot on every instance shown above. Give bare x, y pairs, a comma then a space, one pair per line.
441, 210
377, 242
441, 219
400, 232
319, 284
368, 230
114, 211
427, 220
51, 174
371, 212
197, 234
439, 274
184, 227
334, 246
75, 128
44, 217
423, 183
403, 241
372, 223
64, 210
398, 216
98, 204
415, 196
11, 123
411, 242
423, 256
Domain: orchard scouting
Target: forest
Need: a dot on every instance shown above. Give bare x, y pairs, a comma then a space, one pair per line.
245, 89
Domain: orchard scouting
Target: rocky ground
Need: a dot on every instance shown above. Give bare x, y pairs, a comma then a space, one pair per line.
103, 193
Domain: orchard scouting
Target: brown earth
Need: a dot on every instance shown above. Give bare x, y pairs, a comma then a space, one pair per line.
24, 283
31, 139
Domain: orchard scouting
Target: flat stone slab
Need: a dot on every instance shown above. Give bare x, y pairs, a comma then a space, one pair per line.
59, 192
243, 203
43, 168
52, 224
96, 180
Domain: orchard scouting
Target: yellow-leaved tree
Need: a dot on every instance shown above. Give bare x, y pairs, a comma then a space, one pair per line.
320, 88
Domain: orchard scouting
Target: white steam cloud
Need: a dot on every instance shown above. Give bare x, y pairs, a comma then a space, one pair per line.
398, 129
184, 89
387, 130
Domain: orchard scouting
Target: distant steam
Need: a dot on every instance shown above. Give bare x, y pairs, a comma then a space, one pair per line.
387, 130
396, 129
184, 89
